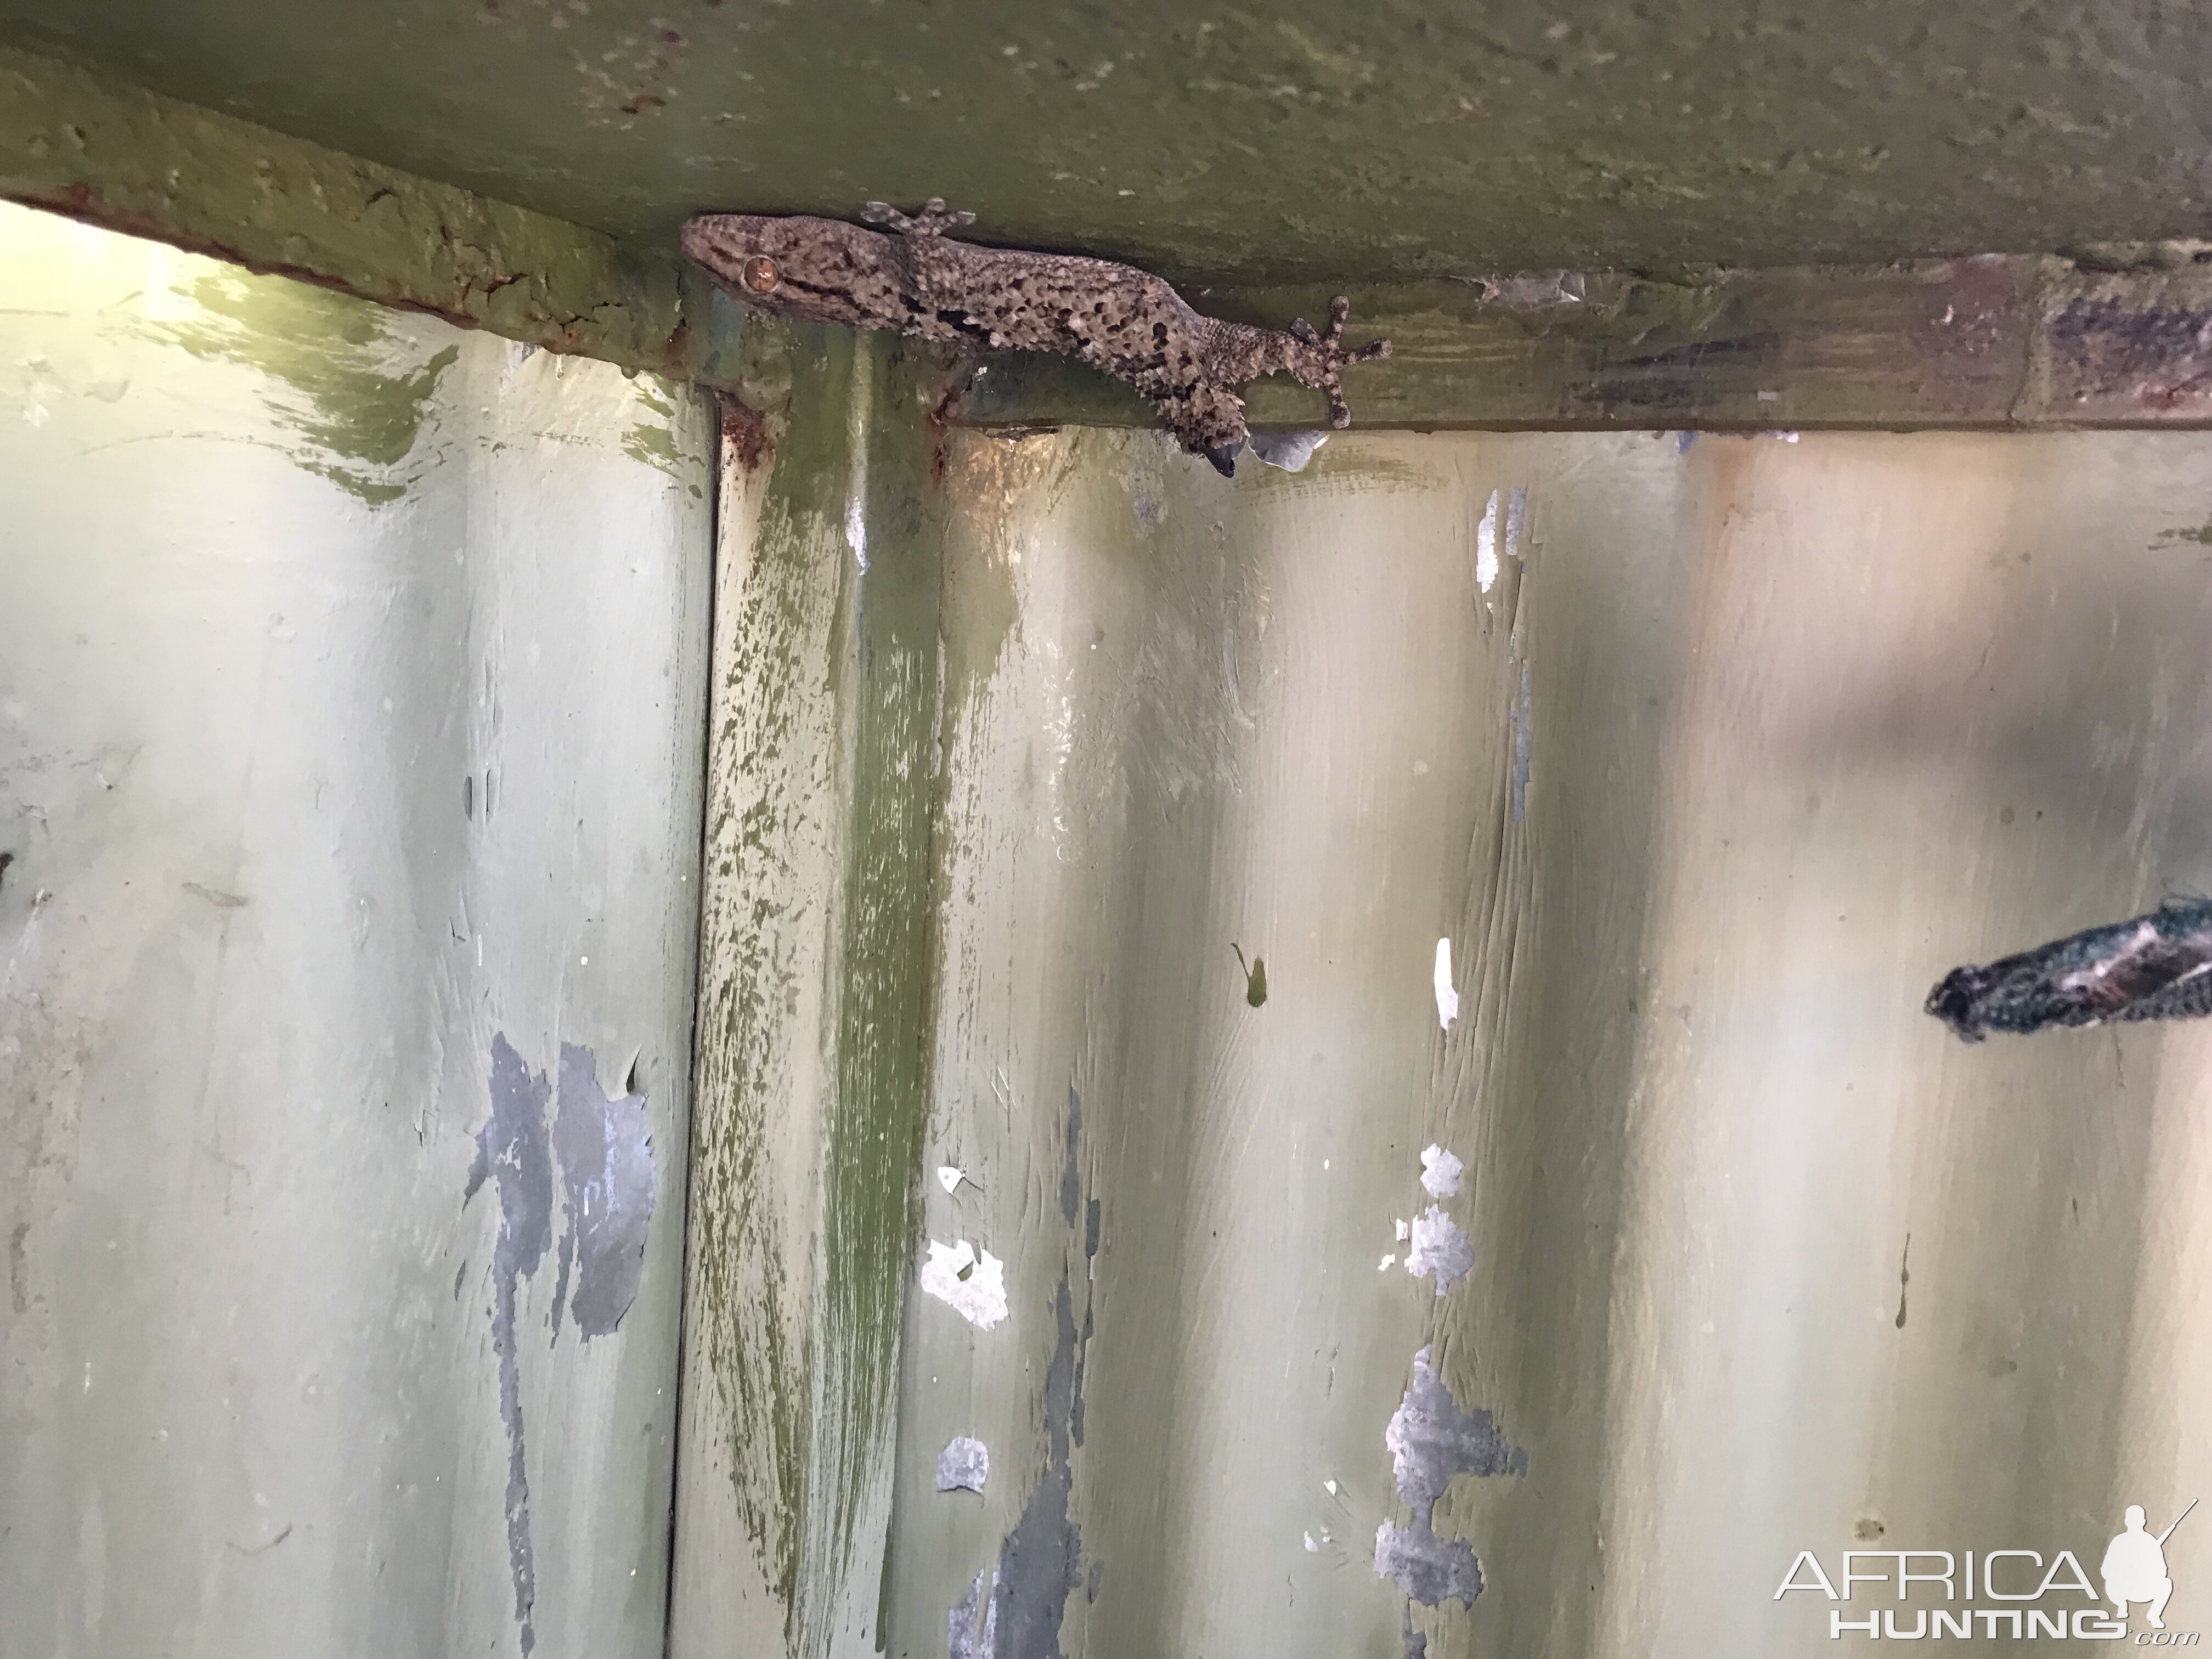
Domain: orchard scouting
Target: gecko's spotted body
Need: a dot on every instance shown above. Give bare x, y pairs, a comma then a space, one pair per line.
1121, 321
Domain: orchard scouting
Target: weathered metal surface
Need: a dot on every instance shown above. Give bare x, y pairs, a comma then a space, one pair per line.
1998, 342
1707, 757
1306, 141
351, 722
132, 160
812, 1088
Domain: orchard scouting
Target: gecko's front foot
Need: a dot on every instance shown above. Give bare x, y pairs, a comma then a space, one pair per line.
1325, 372
934, 219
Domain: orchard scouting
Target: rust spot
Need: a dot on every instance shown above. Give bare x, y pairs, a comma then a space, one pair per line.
2160, 357
745, 431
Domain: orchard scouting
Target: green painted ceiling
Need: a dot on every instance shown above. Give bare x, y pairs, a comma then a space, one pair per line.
1304, 141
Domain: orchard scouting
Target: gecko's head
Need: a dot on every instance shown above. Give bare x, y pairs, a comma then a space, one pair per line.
823, 271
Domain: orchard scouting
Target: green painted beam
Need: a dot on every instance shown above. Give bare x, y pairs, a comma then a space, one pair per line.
2123, 337
1996, 342
135, 161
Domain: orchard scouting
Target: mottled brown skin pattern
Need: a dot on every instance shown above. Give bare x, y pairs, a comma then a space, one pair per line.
1120, 321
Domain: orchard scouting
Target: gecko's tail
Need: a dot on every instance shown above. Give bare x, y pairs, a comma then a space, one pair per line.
1326, 373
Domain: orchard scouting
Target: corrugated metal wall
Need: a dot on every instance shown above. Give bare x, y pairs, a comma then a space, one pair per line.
351, 717
1708, 758
1083, 1116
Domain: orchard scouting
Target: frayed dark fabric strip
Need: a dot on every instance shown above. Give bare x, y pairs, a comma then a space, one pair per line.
2156, 966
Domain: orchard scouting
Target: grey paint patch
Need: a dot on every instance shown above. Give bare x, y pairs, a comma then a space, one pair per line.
1289, 450
605, 1146
971, 1630
1516, 519
1438, 1248
513, 1145
1429, 1568
221, 900
1432, 1442
1071, 1175
607, 1176
963, 1466
1040, 1562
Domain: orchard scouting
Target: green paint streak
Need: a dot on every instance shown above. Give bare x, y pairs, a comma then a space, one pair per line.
757, 1350
330, 362
809, 1393
873, 1211
653, 441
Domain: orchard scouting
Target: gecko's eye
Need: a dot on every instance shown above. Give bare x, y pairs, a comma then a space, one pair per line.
760, 274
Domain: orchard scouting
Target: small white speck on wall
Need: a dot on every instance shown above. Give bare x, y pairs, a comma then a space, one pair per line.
1312, 1548
1405, 1231
1329, 1487
1446, 998
1486, 546
1387, 1263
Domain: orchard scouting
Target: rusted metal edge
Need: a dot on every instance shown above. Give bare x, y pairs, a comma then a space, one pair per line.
1996, 342
132, 160
2123, 337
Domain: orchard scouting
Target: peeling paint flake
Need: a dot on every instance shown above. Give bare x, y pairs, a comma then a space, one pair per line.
1288, 450
1446, 998
513, 1147
1439, 1249
1432, 1442
972, 1628
605, 1146
972, 1283
1486, 546
1441, 1172
963, 1466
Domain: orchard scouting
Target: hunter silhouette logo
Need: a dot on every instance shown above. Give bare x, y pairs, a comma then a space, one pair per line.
2135, 1566
2019, 1595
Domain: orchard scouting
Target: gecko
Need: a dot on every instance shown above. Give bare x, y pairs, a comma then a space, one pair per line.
913, 277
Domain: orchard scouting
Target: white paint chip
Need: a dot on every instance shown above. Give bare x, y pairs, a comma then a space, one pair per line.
1329, 1487
1486, 546
1405, 1232
1440, 1172
1312, 1548
963, 1466
950, 1176
1387, 1263
972, 1283
1440, 1250
1447, 998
